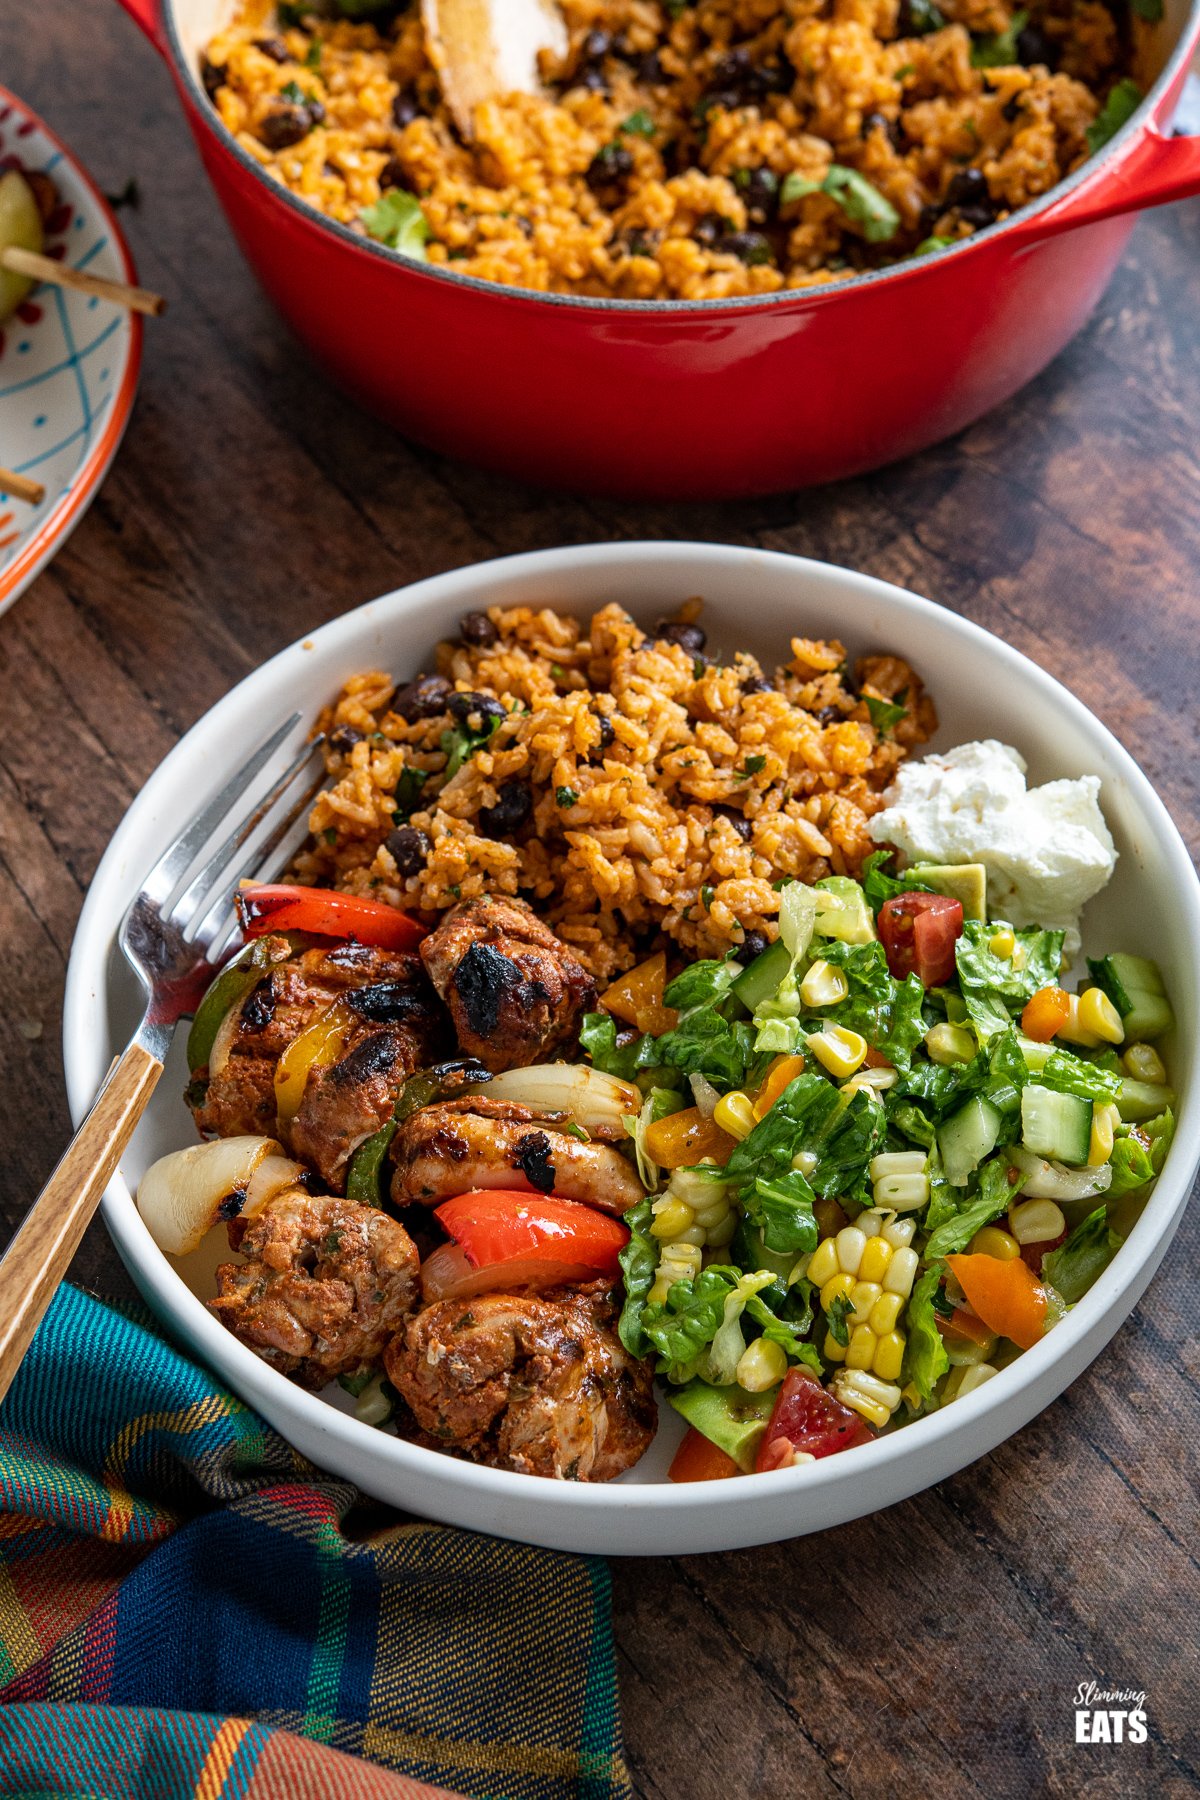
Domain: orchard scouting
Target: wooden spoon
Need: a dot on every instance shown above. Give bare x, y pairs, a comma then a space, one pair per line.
485, 49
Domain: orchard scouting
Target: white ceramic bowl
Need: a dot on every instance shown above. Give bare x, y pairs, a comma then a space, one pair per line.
757, 601
68, 362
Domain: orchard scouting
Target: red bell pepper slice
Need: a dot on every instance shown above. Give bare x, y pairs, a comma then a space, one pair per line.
267, 907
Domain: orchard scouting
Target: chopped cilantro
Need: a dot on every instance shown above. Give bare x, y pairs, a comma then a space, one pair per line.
751, 766
999, 51
398, 222
861, 202
839, 1311
639, 124
886, 713
329, 835
312, 56
566, 796
933, 243
295, 94
1123, 101
706, 896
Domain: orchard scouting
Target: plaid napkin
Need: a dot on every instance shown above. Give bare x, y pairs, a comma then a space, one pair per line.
189, 1608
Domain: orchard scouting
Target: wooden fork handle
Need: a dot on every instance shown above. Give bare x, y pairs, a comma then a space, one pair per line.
36, 1260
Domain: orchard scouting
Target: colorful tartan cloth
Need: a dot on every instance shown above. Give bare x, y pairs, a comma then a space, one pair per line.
188, 1608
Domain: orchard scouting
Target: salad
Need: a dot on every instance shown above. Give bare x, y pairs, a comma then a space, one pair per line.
882, 1159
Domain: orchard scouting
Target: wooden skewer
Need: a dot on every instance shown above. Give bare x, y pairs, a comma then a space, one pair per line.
22, 487
45, 268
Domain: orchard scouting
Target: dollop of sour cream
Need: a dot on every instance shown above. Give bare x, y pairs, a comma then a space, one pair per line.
1047, 849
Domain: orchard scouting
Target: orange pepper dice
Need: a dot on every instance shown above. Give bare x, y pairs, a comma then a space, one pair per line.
1045, 1014
780, 1074
697, 1459
637, 997
1007, 1296
685, 1138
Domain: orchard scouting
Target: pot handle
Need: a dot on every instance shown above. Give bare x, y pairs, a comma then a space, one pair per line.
147, 14
1157, 169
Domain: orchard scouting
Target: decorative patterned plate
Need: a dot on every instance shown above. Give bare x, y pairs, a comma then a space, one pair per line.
68, 362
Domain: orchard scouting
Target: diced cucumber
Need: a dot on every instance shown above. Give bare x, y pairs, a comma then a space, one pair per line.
966, 882
967, 1137
1056, 1125
1036, 1055
1142, 1100
842, 911
1149, 1011
729, 1417
762, 978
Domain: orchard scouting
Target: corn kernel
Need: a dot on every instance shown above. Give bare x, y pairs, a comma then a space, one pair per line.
885, 1313
897, 1162
824, 985
877, 1254
837, 1287
734, 1113
949, 1044
990, 1240
901, 1273
860, 1352
872, 1399
1002, 943
806, 1161
1074, 1031
1098, 1014
902, 1193
1036, 1221
912, 1398
762, 1365
671, 1218
1105, 1119
863, 1296
824, 1262
958, 1386
870, 1222
899, 1233
833, 1351
712, 1214
871, 1082
838, 1049
720, 1235
1143, 1063
889, 1355
850, 1242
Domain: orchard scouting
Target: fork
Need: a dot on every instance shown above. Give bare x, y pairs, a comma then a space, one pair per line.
172, 936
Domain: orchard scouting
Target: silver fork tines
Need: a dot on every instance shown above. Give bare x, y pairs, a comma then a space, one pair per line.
169, 930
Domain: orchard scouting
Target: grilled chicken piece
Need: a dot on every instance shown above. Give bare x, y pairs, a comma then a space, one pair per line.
543, 1386
514, 990
396, 1027
477, 1143
325, 1285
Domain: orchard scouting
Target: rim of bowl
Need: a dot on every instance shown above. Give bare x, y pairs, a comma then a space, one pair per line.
94, 942
1095, 166
84, 485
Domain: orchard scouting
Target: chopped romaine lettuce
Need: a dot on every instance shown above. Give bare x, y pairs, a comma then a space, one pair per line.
698, 1330
657, 1104
701, 984
1068, 1074
777, 1018
598, 1037
997, 1185
639, 1260
884, 1011
1138, 1153
925, 1358
994, 987
878, 885
1072, 1268
811, 1115
782, 1208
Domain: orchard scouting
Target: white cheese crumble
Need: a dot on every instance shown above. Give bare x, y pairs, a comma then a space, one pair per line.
1047, 850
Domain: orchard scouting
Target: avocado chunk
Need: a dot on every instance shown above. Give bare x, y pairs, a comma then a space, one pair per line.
961, 881
842, 911
20, 228
729, 1417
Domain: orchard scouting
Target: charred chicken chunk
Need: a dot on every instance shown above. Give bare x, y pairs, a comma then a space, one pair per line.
324, 1286
543, 1386
477, 1143
391, 1024
514, 990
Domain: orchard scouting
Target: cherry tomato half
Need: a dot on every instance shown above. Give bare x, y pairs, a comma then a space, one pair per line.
919, 932
807, 1417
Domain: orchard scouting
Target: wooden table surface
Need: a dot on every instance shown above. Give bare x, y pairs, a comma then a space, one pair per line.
936, 1648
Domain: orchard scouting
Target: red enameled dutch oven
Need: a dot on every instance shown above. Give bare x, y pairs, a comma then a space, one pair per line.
695, 399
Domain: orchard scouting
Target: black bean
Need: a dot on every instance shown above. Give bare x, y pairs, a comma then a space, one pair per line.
739, 821
752, 945
967, 188
273, 47
284, 126
392, 174
1033, 46
409, 849
592, 77
212, 77
423, 698
344, 738
514, 803
709, 227
650, 70
828, 715
750, 247
759, 189
1012, 109
611, 167
607, 733
472, 709
892, 128
477, 629
675, 631
737, 74
757, 684
404, 110
595, 45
